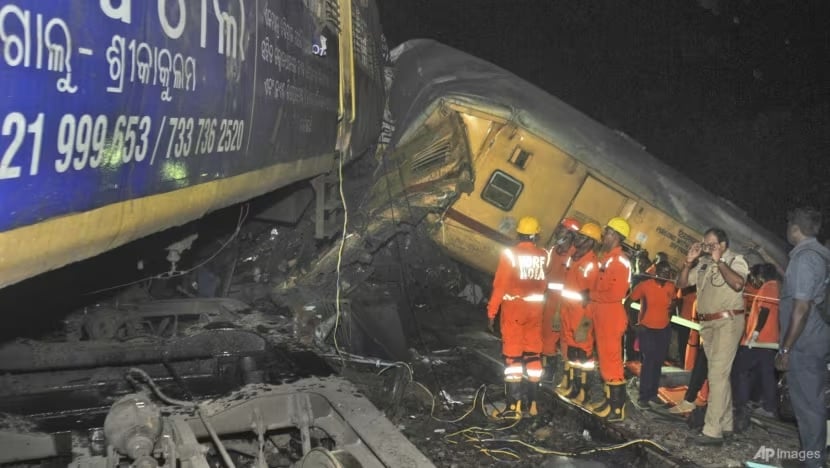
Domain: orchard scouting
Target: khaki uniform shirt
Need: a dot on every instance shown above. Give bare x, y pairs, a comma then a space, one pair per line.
713, 294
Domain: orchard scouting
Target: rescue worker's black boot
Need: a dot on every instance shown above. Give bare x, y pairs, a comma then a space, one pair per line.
530, 393
564, 386
614, 408
600, 400
549, 369
577, 382
513, 402
558, 362
582, 394
602, 403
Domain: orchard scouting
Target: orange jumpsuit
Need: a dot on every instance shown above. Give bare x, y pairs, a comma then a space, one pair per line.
519, 289
580, 275
556, 277
610, 320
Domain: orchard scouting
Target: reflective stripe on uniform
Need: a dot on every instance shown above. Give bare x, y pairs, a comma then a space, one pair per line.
572, 295
509, 254
535, 373
588, 365
587, 269
555, 286
528, 298
513, 370
619, 258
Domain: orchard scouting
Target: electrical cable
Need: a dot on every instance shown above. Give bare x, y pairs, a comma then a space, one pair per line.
337, 311
244, 210
477, 435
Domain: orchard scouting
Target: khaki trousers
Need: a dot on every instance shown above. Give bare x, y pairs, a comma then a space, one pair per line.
720, 342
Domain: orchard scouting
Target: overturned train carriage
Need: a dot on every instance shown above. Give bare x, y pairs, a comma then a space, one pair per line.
477, 148
120, 119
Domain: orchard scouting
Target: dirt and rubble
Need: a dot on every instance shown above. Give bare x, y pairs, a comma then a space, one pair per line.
438, 372
462, 371
440, 305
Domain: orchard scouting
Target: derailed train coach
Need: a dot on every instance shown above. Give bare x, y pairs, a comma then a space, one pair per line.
123, 118
476, 148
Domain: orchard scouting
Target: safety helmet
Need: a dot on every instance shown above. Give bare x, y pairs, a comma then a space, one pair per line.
620, 225
591, 231
528, 226
570, 224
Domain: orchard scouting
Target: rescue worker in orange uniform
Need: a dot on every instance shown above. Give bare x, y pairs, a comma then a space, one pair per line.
610, 319
755, 356
519, 290
577, 323
560, 252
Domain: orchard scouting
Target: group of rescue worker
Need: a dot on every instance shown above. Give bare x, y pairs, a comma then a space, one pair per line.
558, 306
564, 312
567, 306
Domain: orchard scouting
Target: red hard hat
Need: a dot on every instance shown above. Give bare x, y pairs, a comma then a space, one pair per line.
571, 224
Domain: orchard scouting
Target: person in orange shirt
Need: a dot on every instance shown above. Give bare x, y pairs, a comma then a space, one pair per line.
577, 324
560, 252
610, 320
761, 329
655, 296
519, 291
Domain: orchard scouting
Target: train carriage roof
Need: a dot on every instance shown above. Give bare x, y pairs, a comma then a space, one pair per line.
428, 73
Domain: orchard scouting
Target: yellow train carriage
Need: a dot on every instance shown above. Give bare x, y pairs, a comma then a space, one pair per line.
487, 148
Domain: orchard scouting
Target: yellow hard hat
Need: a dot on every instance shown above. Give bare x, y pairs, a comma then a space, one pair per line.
591, 231
528, 226
620, 225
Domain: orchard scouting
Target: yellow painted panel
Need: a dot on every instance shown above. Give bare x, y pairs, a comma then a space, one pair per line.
655, 231
597, 202
34, 249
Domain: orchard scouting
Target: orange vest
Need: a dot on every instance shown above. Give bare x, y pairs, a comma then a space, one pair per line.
657, 301
766, 296
519, 276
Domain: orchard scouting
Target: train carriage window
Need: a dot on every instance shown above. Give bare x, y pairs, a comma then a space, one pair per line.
520, 157
502, 190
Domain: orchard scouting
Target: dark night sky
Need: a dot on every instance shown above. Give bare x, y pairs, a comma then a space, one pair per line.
738, 99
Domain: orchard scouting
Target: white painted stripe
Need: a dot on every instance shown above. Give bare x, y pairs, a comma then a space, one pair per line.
685, 322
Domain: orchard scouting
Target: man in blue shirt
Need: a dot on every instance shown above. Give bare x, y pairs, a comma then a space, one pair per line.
805, 340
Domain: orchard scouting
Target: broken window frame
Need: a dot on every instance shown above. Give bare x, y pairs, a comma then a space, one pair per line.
491, 186
520, 157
